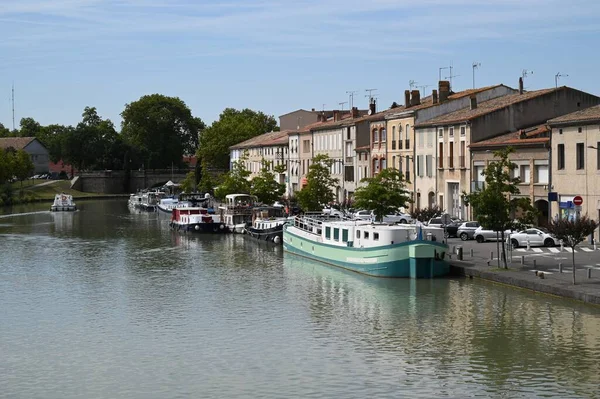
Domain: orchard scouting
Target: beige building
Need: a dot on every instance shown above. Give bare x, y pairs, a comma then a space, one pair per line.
456, 131
531, 155
576, 162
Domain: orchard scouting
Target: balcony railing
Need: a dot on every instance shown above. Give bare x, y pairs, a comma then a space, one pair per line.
451, 162
461, 161
477, 185
407, 142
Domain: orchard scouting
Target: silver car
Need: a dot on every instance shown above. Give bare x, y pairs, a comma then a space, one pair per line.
466, 231
482, 235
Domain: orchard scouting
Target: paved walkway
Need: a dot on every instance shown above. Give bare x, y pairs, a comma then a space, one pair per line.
528, 276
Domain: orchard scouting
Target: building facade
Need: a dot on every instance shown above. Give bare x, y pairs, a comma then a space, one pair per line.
32, 146
575, 165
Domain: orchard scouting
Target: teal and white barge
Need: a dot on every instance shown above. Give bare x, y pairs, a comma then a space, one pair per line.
381, 250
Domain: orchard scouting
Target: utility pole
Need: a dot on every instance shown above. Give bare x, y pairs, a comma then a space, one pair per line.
351, 97
475, 66
557, 76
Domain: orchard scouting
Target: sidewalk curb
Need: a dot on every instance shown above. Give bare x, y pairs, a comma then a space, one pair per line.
529, 282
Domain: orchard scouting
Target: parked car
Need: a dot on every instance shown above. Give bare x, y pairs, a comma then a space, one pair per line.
331, 211
451, 228
537, 237
399, 217
435, 222
466, 230
482, 235
362, 215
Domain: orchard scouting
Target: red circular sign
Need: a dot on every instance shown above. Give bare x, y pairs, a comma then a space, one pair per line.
577, 200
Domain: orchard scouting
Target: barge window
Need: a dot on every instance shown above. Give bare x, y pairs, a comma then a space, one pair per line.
376, 236
344, 235
336, 234
328, 233
357, 233
366, 234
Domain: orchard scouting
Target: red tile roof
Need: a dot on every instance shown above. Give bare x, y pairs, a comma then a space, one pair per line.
486, 107
264, 140
18, 143
591, 114
524, 137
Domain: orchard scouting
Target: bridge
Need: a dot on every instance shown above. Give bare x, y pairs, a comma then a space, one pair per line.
122, 182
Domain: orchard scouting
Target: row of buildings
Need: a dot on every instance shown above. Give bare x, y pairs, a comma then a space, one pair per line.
443, 141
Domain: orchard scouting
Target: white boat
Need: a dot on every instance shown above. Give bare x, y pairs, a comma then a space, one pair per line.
196, 219
63, 202
150, 200
166, 205
267, 224
236, 212
135, 200
383, 250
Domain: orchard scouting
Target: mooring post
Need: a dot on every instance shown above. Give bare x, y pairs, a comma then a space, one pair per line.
589, 272
562, 246
528, 245
471, 252
560, 268
522, 260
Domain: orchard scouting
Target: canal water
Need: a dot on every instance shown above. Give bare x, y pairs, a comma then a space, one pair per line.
106, 303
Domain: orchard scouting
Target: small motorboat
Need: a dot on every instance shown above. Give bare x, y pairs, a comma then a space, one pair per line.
63, 202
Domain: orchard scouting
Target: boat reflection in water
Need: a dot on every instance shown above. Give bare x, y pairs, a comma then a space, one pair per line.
446, 328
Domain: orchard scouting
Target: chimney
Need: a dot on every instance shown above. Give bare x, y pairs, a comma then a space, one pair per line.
336, 115
406, 98
355, 112
434, 96
520, 85
415, 98
444, 88
321, 117
372, 107
473, 99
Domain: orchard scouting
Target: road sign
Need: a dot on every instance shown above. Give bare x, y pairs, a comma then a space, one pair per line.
577, 200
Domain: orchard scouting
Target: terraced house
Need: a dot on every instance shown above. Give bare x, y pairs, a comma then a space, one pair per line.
454, 132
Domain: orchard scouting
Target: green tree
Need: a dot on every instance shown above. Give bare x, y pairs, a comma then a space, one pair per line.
23, 166
188, 185
264, 186
207, 182
318, 190
29, 127
5, 166
52, 136
383, 194
232, 128
162, 128
236, 180
4, 132
496, 205
572, 232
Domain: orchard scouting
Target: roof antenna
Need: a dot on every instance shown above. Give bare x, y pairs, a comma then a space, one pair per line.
475, 66
13, 105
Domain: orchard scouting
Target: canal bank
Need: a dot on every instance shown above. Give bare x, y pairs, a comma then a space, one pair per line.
539, 279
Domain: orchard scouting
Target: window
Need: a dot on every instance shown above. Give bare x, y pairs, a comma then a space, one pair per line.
357, 233
461, 158
441, 156
375, 136
559, 131
383, 163
383, 135
375, 236
451, 132
328, 232
366, 235
541, 174
345, 235
336, 234
393, 133
419, 171
306, 146
407, 132
394, 162
463, 131
579, 130
451, 155
580, 156
598, 155
479, 173
441, 133
524, 173
429, 165
560, 156
348, 135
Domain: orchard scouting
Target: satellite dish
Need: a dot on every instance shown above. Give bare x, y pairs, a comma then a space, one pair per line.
370, 112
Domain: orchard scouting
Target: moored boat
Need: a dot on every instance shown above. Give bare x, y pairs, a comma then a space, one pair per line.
63, 202
193, 218
267, 224
236, 212
380, 250
150, 200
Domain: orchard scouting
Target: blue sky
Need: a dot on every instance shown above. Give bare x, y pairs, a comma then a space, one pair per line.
279, 55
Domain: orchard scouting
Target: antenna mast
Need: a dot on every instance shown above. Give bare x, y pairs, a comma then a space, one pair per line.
13, 105
557, 76
370, 95
423, 87
342, 104
412, 83
351, 97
